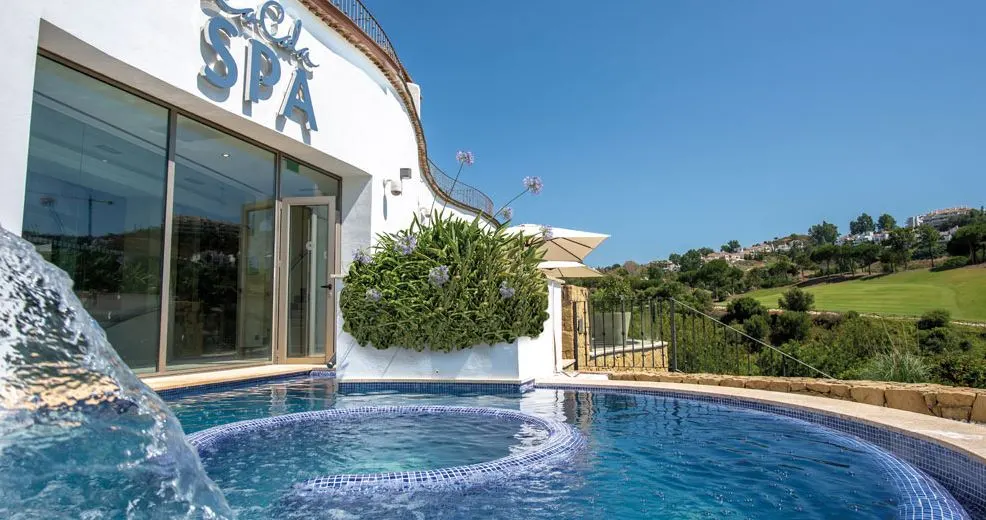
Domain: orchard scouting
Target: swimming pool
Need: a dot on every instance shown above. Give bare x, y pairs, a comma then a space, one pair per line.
647, 456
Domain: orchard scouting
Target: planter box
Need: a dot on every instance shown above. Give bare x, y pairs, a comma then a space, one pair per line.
610, 327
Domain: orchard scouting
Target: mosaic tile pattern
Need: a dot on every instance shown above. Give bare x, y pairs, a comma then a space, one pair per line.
955, 489
437, 387
561, 443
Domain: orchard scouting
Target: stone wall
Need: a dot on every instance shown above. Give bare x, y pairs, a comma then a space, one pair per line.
570, 317
962, 404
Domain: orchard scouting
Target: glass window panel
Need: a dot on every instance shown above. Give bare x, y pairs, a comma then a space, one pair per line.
94, 204
222, 258
298, 180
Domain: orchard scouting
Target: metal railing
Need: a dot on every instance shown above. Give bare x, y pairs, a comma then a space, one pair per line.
461, 192
666, 334
361, 16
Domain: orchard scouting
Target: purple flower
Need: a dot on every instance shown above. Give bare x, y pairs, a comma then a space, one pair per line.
547, 233
406, 244
373, 295
506, 292
438, 276
465, 158
508, 213
360, 257
533, 184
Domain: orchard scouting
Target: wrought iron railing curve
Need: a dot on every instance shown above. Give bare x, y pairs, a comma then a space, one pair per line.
460, 191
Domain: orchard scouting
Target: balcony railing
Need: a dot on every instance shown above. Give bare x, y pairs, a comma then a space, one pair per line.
461, 192
360, 15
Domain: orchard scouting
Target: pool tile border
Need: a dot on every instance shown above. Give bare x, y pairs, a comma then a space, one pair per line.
562, 442
185, 391
963, 477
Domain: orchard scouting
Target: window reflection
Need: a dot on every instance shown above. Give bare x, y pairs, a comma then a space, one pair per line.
222, 260
298, 180
95, 201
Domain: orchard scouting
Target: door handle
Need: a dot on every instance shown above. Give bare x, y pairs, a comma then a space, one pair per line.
327, 286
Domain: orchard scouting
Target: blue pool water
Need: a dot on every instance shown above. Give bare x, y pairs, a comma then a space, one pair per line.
647, 457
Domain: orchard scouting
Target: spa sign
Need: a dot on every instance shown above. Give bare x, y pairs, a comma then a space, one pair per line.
260, 27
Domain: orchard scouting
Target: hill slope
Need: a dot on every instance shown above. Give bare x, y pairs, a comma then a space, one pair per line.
960, 291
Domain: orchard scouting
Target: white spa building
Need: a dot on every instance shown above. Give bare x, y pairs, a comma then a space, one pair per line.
204, 169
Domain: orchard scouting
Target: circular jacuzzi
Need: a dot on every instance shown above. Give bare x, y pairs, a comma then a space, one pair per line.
372, 448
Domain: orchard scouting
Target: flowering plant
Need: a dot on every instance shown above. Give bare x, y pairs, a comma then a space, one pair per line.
534, 185
463, 284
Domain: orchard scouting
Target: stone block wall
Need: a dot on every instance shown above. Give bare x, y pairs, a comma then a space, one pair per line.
570, 317
961, 404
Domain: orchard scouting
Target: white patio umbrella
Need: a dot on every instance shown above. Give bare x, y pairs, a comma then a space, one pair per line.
562, 269
565, 245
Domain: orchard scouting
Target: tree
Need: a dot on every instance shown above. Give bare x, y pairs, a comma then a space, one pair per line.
967, 240
690, 261
886, 223
824, 233
797, 299
742, 309
703, 251
866, 253
862, 224
733, 246
929, 240
901, 242
675, 259
719, 277
803, 260
824, 253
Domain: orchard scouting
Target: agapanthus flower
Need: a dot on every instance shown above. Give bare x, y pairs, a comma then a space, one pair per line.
508, 213
547, 232
466, 158
533, 184
360, 257
438, 276
373, 295
506, 292
406, 244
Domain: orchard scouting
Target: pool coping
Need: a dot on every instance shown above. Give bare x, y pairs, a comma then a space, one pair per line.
967, 438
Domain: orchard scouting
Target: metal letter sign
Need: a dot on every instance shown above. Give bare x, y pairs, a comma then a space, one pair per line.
263, 67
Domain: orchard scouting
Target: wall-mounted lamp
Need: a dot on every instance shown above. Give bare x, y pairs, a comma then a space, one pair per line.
397, 185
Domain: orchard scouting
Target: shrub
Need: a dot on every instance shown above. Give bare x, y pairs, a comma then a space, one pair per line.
742, 309
934, 318
445, 286
960, 369
790, 326
757, 327
937, 340
797, 299
827, 320
896, 365
851, 315
953, 262
613, 291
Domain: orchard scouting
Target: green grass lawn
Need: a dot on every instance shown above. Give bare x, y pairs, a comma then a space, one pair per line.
959, 291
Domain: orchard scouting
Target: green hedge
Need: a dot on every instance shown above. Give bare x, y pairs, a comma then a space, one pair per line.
446, 285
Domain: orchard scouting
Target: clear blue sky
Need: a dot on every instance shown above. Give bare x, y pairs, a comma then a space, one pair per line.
675, 125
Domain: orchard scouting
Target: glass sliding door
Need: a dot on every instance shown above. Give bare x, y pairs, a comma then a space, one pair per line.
222, 250
94, 204
307, 263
